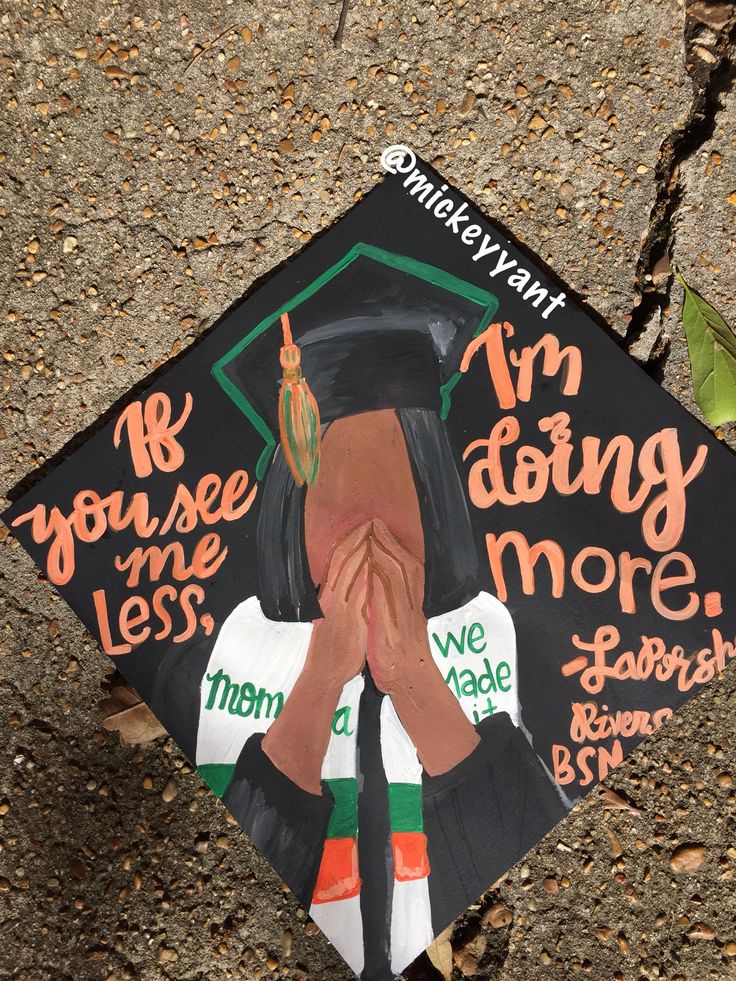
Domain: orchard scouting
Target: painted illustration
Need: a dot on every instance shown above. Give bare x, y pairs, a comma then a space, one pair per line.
323, 715
405, 553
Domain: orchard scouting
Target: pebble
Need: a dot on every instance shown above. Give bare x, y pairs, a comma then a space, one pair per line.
687, 858
467, 104
166, 955
77, 869
616, 849
169, 792
498, 916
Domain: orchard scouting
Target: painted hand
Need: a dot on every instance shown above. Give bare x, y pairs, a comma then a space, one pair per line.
397, 639
400, 661
340, 638
297, 741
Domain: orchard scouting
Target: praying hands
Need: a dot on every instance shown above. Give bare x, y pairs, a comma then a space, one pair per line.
371, 598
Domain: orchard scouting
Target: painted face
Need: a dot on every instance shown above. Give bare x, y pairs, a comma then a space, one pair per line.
364, 473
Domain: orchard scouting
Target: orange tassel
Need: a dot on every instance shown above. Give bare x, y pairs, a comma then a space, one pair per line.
299, 425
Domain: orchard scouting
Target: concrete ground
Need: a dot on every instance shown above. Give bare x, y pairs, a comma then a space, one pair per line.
158, 158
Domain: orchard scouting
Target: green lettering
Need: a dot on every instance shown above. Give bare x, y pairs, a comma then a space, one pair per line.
451, 679
475, 636
451, 639
503, 666
265, 698
242, 699
488, 710
487, 681
229, 689
341, 722
468, 683
247, 693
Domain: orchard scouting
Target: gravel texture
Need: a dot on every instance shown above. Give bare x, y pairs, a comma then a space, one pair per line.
156, 161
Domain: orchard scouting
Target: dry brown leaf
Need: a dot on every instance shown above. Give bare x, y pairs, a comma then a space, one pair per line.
440, 952
615, 802
662, 268
466, 957
715, 15
124, 712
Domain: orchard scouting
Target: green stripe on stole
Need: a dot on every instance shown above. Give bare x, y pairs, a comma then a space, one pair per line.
405, 806
344, 817
404, 801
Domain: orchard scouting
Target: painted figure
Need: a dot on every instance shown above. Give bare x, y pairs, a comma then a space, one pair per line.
360, 716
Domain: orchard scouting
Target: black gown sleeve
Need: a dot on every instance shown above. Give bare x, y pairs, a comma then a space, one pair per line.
484, 815
176, 691
288, 825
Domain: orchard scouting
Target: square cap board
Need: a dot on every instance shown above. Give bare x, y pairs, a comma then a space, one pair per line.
406, 554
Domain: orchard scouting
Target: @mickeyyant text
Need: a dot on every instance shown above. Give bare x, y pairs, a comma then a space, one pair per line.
399, 159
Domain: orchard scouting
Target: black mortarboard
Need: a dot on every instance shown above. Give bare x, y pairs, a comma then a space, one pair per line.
376, 331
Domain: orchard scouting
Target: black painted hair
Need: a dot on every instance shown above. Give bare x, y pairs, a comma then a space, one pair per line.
287, 591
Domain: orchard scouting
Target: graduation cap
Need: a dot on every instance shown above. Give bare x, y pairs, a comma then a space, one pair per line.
375, 331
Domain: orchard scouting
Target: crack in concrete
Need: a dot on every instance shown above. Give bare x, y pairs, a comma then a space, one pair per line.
710, 82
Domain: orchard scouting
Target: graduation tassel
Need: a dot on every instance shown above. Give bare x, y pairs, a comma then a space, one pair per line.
299, 425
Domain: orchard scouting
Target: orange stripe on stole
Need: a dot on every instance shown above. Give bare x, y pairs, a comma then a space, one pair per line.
338, 872
410, 855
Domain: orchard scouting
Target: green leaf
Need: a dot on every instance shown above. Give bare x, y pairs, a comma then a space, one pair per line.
711, 345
